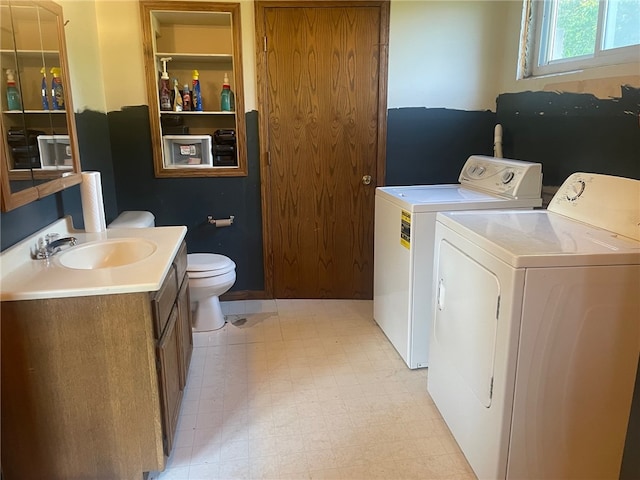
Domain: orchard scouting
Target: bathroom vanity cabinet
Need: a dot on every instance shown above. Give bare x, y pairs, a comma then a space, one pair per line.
172, 329
92, 386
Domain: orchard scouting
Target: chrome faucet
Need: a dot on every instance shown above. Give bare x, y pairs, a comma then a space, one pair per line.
50, 245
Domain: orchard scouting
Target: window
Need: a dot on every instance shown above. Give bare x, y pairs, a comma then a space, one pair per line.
568, 35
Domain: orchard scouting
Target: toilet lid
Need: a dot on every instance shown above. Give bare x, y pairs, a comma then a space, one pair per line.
134, 219
208, 265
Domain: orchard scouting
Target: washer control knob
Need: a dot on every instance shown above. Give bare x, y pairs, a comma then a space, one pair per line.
507, 176
575, 190
480, 171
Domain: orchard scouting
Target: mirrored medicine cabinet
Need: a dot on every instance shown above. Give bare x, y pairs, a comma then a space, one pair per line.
39, 153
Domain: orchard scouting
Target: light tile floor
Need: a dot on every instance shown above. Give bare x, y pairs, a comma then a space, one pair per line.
307, 389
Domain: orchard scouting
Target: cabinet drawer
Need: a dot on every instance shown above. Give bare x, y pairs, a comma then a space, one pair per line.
180, 262
163, 301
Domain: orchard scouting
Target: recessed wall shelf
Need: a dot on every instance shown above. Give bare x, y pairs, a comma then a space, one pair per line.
202, 36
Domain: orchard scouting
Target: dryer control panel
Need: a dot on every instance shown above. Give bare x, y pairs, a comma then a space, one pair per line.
605, 201
502, 176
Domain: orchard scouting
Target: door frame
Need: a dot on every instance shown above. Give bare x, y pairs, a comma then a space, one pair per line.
262, 94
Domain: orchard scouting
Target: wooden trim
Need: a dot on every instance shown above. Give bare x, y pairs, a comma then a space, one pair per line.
151, 82
238, 75
318, 3
245, 295
58, 184
146, 8
263, 134
68, 99
261, 90
383, 74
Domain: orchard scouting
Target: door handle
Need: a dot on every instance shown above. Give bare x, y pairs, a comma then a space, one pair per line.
440, 295
366, 179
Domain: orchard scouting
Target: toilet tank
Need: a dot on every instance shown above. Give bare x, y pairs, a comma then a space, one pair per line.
134, 219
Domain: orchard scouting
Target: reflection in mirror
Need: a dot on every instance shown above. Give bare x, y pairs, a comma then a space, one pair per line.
53, 145
18, 145
38, 126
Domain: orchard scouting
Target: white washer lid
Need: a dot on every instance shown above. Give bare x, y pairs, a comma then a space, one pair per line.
440, 198
198, 263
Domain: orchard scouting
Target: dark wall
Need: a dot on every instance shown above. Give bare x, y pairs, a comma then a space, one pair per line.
18, 224
188, 201
631, 461
430, 145
566, 132
95, 154
569, 132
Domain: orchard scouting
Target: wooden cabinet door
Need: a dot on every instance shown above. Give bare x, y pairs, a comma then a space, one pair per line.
169, 377
184, 328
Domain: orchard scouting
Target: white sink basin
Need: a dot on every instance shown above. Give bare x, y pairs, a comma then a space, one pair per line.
107, 253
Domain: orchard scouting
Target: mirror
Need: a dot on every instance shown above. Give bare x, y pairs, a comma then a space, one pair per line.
38, 131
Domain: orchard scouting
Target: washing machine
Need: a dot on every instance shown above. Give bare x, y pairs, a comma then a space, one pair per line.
405, 220
536, 335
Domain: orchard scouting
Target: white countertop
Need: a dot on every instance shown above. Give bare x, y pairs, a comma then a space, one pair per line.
22, 278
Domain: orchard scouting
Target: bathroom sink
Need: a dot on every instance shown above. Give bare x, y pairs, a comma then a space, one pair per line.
107, 253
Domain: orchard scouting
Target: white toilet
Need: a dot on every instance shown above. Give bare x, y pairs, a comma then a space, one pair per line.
210, 275
134, 219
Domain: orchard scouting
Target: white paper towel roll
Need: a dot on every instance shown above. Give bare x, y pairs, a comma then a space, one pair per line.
92, 203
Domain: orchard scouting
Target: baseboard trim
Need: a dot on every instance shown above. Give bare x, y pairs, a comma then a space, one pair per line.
244, 295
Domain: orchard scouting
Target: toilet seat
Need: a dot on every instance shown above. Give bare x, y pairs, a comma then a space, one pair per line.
202, 265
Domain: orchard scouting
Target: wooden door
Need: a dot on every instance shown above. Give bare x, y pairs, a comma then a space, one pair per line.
323, 80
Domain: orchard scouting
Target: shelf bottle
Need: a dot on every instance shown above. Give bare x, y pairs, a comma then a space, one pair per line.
165, 92
227, 101
43, 90
13, 95
57, 91
186, 98
177, 97
196, 98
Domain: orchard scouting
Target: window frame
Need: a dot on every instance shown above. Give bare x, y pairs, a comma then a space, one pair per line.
535, 39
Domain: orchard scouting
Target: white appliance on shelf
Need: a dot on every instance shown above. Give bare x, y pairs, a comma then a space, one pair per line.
536, 334
405, 220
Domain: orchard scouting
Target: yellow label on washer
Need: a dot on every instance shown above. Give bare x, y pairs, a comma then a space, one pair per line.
405, 229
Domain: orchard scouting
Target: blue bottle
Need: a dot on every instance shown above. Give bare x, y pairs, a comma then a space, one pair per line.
43, 90
57, 91
196, 98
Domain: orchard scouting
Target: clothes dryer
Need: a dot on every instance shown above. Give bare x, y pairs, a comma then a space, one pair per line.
405, 220
536, 334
